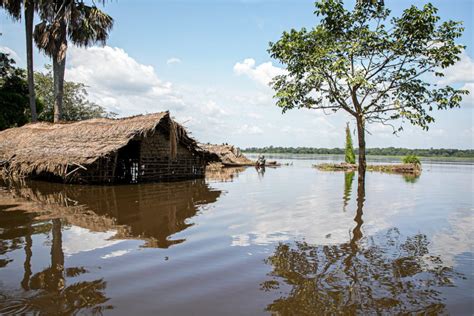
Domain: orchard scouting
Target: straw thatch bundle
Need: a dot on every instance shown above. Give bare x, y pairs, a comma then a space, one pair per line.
227, 154
53, 148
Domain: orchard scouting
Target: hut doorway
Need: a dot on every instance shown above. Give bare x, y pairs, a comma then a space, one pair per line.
128, 163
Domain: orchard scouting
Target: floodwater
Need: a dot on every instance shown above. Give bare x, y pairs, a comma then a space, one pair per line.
289, 241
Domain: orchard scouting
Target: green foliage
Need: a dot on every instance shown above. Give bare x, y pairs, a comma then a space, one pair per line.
14, 106
76, 106
371, 65
350, 154
412, 159
389, 151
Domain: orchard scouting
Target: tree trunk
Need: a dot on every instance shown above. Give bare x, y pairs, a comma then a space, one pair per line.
361, 139
59, 68
29, 15
357, 233
57, 257
25, 283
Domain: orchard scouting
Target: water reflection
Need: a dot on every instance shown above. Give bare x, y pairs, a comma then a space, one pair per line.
386, 273
47, 292
348, 179
152, 212
411, 178
227, 174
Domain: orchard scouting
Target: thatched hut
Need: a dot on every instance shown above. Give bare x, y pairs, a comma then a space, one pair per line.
129, 150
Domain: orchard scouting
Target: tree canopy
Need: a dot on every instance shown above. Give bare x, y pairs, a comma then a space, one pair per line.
76, 106
375, 67
14, 107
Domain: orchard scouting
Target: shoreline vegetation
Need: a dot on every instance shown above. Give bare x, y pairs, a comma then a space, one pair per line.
402, 168
373, 152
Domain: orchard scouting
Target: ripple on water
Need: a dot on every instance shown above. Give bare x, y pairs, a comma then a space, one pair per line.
256, 244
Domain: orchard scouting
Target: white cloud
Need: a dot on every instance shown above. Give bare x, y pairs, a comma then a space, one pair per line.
78, 239
462, 71
119, 82
262, 73
116, 253
123, 85
249, 129
468, 100
212, 109
293, 130
173, 60
254, 98
254, 115
12, 54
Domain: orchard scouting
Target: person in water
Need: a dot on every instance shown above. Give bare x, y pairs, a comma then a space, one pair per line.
261, 160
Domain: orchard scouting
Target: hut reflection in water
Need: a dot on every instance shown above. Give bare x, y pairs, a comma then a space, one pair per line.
152, 212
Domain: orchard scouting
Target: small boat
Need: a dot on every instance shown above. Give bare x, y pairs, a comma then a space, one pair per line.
272, 165
231, 164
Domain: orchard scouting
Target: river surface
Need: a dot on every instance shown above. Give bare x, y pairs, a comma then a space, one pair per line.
287, 241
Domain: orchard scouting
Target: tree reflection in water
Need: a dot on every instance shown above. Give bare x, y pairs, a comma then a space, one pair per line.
47, 292
411, 178
381, 274
348, 179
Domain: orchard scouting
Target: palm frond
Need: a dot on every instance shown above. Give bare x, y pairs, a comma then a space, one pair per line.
13, 7
51, 38
89, 25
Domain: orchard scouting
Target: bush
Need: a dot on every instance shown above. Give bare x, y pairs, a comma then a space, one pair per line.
411, 159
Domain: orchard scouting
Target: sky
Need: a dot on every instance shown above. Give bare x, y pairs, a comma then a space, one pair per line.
206, 61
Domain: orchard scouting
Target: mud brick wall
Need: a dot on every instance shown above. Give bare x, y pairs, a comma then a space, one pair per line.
101, 171
156, 163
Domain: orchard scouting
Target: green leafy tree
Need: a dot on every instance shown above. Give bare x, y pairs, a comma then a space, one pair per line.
350, 154
63, 21
374, 67
371, 2
13, 94
76, 106
13, 8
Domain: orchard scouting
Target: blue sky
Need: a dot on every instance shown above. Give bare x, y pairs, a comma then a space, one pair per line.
207, 62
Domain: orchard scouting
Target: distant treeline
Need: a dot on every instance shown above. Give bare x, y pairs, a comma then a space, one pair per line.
389, 151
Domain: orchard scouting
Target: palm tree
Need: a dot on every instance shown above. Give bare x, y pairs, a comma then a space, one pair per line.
13, 7
64, 20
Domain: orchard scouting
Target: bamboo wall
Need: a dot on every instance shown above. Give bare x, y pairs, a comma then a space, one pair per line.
156, 163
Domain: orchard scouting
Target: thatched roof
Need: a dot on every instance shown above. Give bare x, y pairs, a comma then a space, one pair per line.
227, 153
38, 147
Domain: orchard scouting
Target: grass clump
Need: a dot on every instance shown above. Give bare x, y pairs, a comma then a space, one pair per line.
412, 159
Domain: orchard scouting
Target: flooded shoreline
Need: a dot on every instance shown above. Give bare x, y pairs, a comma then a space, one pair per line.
290, 240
